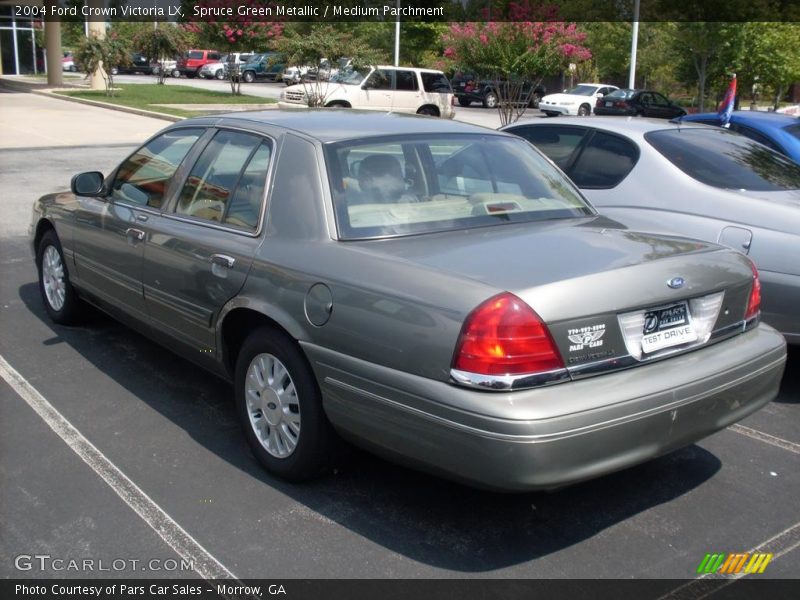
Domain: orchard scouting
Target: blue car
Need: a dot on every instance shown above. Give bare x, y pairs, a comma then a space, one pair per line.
779, 132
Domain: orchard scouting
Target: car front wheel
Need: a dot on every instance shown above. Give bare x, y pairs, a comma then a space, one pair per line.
60, 299
249, 77
176, 74
584, 110
490, 100
280, 407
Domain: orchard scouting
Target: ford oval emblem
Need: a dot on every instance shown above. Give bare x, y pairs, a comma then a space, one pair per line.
676, 283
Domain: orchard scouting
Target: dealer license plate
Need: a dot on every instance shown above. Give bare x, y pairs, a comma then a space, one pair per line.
609, 104
667, 327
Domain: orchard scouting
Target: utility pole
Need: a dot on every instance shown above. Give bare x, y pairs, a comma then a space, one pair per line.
634, 43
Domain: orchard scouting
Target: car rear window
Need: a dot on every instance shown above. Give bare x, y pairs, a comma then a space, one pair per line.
793, 130
194, 54
621, 94
407, 185
726, 160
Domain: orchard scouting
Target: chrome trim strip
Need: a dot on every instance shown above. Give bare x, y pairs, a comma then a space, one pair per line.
504, 383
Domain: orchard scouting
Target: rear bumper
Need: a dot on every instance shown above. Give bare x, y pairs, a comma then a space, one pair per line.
552, 436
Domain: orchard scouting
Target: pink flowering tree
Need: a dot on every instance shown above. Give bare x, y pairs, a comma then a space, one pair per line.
514, 54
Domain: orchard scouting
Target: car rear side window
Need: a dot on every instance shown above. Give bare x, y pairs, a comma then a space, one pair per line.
406, 81
604, 162
436, 82
144, 177
226, 184
757, 136
726, 160
557, 142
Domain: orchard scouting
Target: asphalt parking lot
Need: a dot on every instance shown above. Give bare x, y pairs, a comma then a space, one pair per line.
169, 428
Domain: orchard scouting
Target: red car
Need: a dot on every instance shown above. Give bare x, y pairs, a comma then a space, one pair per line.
191, 62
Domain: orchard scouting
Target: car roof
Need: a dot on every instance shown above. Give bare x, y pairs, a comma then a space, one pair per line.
337, 124
755, 118
625, 125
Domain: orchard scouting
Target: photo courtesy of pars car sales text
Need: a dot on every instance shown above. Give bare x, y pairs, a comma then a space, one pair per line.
179, 590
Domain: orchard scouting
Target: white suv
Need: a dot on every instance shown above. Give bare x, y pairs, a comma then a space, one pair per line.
396, 89
575, 101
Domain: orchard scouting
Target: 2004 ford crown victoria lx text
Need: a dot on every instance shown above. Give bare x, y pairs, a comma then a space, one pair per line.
436, 292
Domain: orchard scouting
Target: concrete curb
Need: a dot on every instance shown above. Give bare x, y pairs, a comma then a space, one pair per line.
51, 93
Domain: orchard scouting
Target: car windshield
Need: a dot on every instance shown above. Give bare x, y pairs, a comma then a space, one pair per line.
351, 77
726, 160
194, 54
406, 185
582, 90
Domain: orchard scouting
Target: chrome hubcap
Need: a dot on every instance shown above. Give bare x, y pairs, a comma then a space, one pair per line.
272, 405
53, 278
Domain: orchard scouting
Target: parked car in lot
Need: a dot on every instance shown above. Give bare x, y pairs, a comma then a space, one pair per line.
469, 89
575, 101
139, 63
168, 66
385, 88
267, 66
219, 70
193, 60
779, 132
637, 103
68, 62
692, 180
434, 291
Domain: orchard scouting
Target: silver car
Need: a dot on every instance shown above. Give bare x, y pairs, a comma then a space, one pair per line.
436, 292
692, 180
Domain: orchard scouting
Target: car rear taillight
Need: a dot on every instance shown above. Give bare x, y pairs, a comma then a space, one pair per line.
754, 301
620, 104
504, 336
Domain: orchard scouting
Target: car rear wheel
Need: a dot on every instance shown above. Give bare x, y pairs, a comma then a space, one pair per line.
338, 104
60, 299
490, 100
584, 110
248, 77
535, 100
429, 111
176, 74
220, 74
464, 101
280, 407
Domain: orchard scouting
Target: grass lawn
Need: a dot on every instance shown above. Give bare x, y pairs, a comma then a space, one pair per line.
145, 95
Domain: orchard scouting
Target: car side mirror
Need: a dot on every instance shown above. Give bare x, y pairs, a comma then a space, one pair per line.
87, 184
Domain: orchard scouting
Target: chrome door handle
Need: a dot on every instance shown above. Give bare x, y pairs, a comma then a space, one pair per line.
222, 260
136, 234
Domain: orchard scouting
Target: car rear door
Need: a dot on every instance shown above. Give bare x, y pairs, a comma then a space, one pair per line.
407, 95
202, 247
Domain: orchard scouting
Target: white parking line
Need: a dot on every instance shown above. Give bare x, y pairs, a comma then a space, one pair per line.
766, 438
151, 513
711, 583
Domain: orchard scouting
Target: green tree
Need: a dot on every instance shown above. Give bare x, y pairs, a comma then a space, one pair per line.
771, 57
94, 53
162, 43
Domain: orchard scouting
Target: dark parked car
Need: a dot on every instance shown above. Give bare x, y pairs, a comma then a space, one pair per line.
693, 180
469, 89
193, 60
779, 132
139, 63
435, 291
267, 66
637, 103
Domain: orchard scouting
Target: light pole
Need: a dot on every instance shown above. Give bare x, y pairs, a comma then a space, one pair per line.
397, 37
634, 42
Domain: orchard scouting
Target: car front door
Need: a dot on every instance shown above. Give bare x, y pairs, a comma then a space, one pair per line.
376, 91
111, 232
201, 249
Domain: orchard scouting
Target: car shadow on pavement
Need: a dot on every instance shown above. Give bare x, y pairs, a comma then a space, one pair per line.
790, 384
427, 519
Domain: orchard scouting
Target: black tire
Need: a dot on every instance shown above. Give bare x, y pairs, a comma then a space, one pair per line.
535, 100
337, 104
490, 100
71, 310
114, 71
248, 77
220, 74
314, 441
73, 69
584, 110
464, 101
176, 74
428, 111
550, 113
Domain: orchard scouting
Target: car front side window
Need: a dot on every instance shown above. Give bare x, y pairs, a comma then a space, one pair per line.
144, 177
